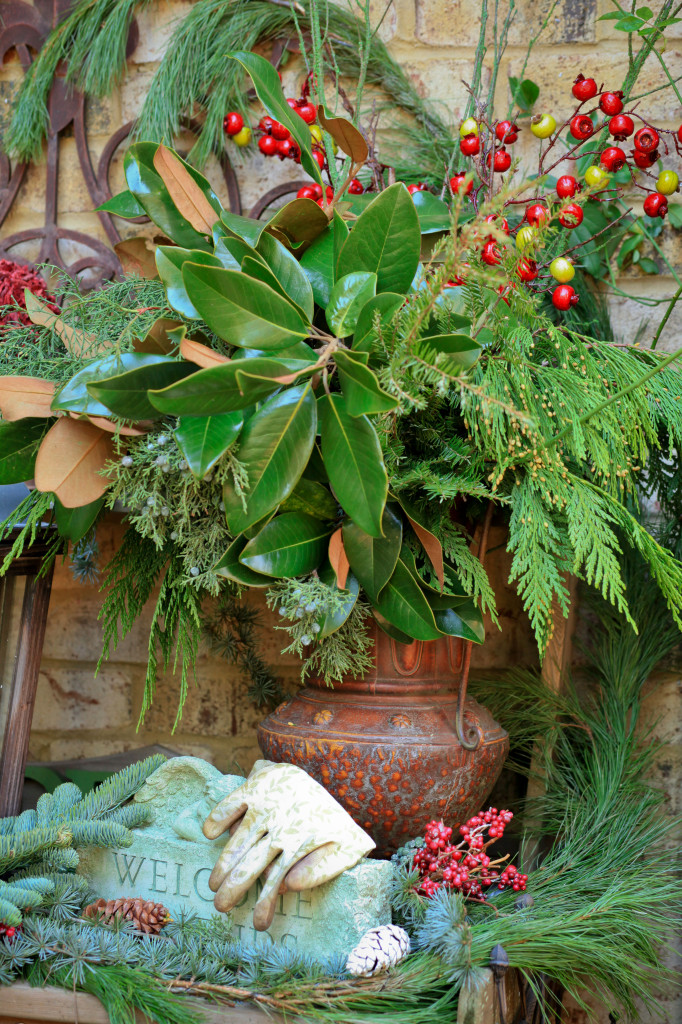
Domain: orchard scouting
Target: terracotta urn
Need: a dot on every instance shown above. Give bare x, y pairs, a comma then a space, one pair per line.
386, 745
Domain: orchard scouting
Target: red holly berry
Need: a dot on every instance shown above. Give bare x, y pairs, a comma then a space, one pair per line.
581, 127
292, 102
319, 158
470, 145
644, 160
646, 139
507, 132
571, 215
233, 123
307, 192
566, 186
656, 205
457, 183
613, 158
307, 112
265, 124
500, 223
564, 297
279, 131
419, 186
611, 102
355, 187
502, 161
584, 88
536, 214
527, 269
621, 126
267, 145
491, 254
679, 133
286, 148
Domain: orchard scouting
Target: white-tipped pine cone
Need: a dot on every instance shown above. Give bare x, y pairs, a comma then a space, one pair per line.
377, 950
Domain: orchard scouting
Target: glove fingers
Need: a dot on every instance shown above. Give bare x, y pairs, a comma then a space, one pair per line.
236, 848
264, 911
225, 814
243, 875
315, 868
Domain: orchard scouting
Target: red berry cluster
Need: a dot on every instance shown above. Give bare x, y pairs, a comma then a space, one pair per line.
466, 867
9, 932
14, 278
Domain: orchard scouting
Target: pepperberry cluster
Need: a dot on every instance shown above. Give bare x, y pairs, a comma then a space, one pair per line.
486, 144
9, 932
466, 867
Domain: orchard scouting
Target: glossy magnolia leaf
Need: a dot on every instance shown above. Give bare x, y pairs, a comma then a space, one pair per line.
274, 449
234, 251
124, 429
348, 296
373, 559
169, 262
313, 498
199, 354
391, 630
341, 231
403, 604
136, 256
245, 312
261, 272
298, 224
288, 272
231, 568
454, 622
25, 396
123, 205
77, 343
246, 228
189, 198
70, 461
148, 187
74, 396
352, 457
434, 215
317, 263
461, 350
383, 308
203, 439
218, 389
300, 350
385, 241
360, 387
289, 545
345, 135
74, 523
432, 546
126, 394
269, 91
19, 443
332, 621
338, 558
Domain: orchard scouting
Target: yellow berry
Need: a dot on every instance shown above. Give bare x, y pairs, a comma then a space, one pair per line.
668, 182
595, 175
316, 133
542, 126
562, 270
243, 136
468, 127
525, 237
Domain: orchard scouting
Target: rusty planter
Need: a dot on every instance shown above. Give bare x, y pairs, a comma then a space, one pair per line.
385, 746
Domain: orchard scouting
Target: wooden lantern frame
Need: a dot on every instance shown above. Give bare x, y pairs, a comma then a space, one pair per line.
24, 681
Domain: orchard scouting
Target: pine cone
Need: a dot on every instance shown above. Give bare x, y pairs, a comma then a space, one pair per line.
148, 917
377, 950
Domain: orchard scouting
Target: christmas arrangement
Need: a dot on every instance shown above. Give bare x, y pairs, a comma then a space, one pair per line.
325, 404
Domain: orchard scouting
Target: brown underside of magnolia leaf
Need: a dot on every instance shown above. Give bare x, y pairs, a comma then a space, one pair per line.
25, 396
338, 558
345, 135
200, 354
137, 256
433, 549
69, 461
188, 198
77, 343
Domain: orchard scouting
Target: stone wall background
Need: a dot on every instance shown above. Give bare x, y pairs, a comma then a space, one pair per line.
80, 715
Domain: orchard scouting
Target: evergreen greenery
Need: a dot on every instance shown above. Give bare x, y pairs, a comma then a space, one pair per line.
38, 854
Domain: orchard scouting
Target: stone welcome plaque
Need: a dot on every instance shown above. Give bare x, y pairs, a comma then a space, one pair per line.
170, 862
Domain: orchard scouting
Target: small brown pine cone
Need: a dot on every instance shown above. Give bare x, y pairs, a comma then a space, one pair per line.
147, 916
